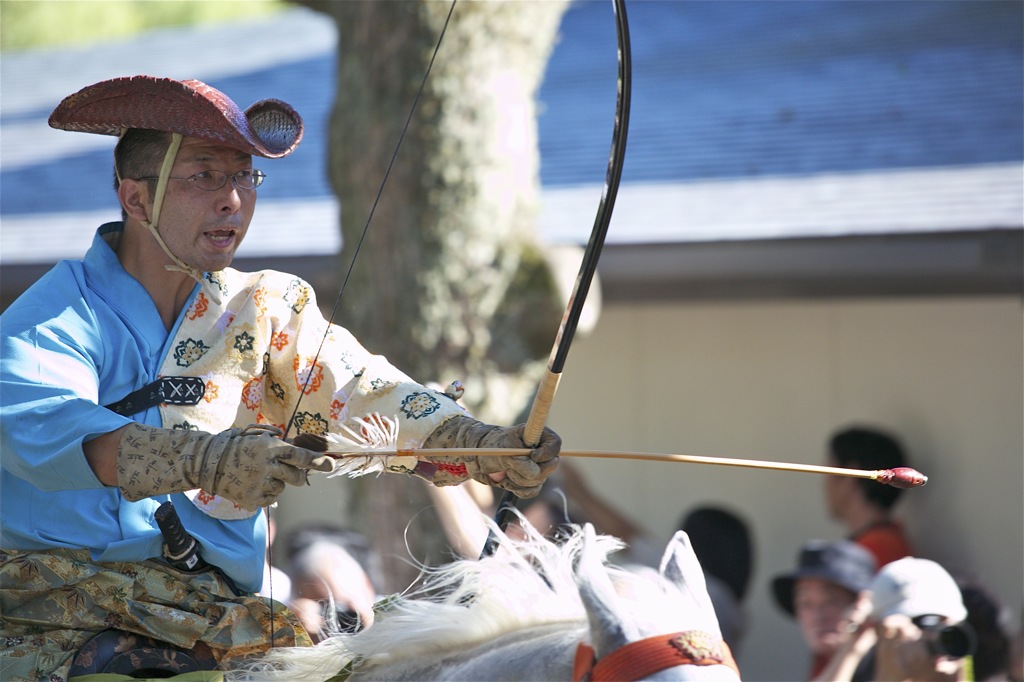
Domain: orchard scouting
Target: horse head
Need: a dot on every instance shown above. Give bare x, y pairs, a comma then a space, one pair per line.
649, 629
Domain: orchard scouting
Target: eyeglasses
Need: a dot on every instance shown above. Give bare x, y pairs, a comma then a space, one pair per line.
212, 180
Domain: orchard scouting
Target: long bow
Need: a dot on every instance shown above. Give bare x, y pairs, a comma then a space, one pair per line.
545, 394
588, 267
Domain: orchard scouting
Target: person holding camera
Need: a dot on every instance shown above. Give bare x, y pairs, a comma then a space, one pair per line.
910, 624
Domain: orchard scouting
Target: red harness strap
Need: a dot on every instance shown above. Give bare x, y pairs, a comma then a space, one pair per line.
643, 658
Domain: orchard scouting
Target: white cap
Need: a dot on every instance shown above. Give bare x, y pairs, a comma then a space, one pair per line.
916, 587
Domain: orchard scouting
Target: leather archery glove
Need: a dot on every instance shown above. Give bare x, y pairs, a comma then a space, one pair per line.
248, 466
523, 475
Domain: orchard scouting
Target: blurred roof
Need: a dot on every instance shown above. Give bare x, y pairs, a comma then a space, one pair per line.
820, 127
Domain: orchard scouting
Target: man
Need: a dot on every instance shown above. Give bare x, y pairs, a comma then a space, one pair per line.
910, 624
722, 542
863, 506
820, 592
151, 372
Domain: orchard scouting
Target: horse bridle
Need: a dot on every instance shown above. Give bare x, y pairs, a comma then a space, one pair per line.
644, 657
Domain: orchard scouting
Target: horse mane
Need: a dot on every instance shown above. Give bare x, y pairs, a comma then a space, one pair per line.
525, 583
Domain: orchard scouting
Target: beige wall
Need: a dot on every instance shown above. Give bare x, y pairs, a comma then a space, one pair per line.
771, 380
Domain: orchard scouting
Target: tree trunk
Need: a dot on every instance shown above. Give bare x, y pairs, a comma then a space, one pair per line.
449, 282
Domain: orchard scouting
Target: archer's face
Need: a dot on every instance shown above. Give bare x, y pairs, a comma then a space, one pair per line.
205, 228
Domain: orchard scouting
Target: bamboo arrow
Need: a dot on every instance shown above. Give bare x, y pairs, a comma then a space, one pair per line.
899, 477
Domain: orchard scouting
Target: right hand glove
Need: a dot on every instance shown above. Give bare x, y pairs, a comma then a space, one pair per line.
522, 475
247, 466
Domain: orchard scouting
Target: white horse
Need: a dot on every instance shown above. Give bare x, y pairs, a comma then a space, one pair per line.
534, 610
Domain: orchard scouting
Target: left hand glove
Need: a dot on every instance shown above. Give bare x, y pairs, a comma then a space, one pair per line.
524, 476
248, 466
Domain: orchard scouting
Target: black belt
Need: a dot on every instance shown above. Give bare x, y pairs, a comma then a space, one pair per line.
166, 390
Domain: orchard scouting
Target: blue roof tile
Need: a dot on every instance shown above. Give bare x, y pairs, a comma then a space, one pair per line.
723, 91
733, 89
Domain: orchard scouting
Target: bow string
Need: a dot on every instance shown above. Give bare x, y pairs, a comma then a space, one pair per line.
362, 238
369, 217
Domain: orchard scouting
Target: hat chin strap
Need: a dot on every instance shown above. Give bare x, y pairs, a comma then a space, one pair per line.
158, 201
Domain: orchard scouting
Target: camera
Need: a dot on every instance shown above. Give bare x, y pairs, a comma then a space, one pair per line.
954, 641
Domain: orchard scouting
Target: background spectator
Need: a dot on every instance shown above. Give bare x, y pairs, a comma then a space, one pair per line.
863, 506
722, 542
987, 617
331, 585
904, 594
821, 591
910, 624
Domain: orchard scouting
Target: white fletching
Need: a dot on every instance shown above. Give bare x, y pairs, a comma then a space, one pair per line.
374, 440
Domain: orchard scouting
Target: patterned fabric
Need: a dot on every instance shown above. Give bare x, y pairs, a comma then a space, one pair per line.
54, 602
250, 466
116, 652
256, 351
85, 335
81, 338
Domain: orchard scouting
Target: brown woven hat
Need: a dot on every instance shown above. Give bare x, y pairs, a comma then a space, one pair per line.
269, 128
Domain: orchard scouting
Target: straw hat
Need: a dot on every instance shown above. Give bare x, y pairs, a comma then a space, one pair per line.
269, 128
